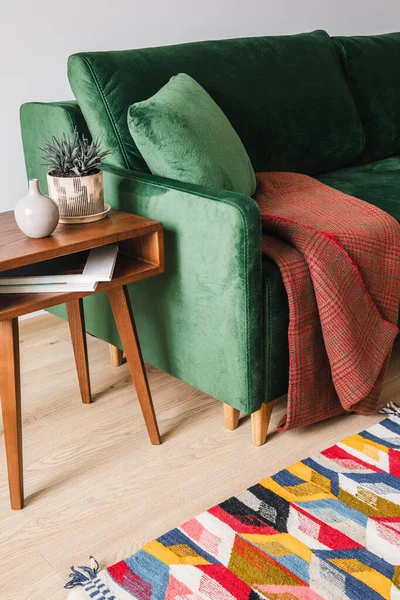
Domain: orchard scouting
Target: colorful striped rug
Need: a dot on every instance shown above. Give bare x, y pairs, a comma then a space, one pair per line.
325, 527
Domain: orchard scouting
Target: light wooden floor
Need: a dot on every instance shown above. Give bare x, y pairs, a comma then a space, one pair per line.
95, 485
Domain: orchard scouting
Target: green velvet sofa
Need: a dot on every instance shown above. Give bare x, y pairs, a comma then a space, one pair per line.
328, 107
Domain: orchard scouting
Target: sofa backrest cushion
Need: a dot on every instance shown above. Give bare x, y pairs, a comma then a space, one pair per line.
285, 96
372, 68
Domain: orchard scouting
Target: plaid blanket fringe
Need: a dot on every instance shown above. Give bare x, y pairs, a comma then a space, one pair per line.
339, 258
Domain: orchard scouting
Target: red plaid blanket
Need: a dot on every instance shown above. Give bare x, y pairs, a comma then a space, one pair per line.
340, 262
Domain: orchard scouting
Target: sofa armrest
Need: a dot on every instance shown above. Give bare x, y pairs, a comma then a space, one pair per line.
210, 294
201, 320
39, 122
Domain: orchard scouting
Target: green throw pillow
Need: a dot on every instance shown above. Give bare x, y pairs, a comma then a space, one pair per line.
183, 134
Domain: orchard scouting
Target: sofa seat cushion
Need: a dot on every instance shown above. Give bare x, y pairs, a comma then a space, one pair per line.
371, 64
377, 183
285, 96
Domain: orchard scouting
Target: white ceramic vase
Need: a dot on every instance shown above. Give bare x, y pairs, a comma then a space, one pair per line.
36, 214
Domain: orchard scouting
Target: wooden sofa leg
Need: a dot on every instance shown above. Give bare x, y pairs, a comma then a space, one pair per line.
231, 417
260, 422
115, 356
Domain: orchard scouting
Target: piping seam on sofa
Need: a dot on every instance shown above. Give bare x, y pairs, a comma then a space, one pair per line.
113, 124
269, 374
344, 55
73, 122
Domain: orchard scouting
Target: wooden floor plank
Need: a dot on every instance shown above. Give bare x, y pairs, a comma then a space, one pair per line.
34, 579
95, 485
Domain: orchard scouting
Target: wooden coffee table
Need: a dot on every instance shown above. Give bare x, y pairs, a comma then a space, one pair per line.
141, 255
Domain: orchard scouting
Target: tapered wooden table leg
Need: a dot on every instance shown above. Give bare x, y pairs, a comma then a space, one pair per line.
11, 409
76, 321
125, 322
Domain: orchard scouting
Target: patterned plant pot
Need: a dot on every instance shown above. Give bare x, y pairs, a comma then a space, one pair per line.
77, 196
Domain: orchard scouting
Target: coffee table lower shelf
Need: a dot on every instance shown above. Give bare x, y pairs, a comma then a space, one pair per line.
127, 269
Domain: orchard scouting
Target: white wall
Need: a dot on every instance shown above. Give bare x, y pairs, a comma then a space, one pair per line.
37, 37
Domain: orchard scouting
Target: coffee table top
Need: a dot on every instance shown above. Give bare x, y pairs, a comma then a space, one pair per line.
17, 250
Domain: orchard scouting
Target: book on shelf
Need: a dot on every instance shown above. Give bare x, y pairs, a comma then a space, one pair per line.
78, 272
50, 288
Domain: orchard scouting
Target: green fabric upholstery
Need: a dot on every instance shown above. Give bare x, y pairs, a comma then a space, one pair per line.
372, 67
285, 96
184, 135
39, 122
377, 183
201, 319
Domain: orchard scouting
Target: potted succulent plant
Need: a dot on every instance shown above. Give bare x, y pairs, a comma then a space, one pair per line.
74, 180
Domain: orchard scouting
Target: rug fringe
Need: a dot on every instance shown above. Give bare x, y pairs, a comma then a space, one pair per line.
391, 408
82, 575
